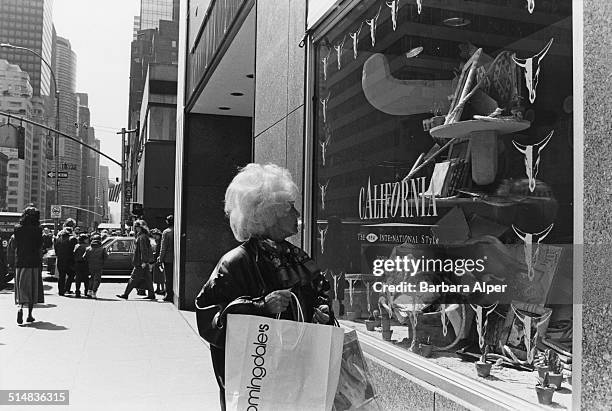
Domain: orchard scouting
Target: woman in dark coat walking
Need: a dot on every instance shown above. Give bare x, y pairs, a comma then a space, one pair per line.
141, 261
28, 244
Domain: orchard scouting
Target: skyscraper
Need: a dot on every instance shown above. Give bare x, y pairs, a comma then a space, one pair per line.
16, 98
152, 11
69, 151
30, 24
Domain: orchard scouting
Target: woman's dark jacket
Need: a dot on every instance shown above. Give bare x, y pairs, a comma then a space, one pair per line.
246, 274
28, 245
143, 253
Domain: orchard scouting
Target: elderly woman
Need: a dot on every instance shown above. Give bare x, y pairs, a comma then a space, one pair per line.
28, 245
257, 277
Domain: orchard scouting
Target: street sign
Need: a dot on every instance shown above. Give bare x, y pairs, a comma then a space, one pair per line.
56, 211
61, 174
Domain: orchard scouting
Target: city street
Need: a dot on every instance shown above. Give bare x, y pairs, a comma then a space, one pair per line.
110, 354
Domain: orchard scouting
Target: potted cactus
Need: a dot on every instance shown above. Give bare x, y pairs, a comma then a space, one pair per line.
483, 368
370, 323
549, 362
545, 390
426, 348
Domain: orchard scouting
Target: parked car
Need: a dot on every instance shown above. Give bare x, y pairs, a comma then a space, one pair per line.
120, 250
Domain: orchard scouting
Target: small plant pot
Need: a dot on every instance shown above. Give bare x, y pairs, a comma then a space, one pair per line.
545, 395
426, 350
542, 370
569, 379
483, 369
555, 379
370, 325
377, 322
387, 335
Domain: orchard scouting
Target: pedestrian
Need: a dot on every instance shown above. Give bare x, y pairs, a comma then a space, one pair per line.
80, 266
28, 246
166, 257
158, 273
258, 277
141, 261
64, 246
95, 255
47, 239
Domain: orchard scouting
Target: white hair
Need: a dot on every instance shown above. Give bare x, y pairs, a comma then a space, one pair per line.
257, 195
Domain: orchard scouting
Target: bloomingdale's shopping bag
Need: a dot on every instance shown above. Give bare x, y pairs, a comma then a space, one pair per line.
280, 365
355, 388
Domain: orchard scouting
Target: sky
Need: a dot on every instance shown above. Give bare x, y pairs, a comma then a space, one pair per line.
100, 33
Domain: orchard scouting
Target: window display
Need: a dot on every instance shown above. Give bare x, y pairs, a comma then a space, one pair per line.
443, 182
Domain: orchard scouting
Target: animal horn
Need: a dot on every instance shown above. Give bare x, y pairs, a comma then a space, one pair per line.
519, 147
542, 234
519, 233
542, 53
545, 141
519, 62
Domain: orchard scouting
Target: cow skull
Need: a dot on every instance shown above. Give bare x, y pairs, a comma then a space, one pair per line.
394, 6
339, 48
372, 23
530, 6
419, 5
323, 189
324, 102
528, 326
481, 327
324, 62
325, 142
532, 69
355, 37
322, 234
532, 162
529, 240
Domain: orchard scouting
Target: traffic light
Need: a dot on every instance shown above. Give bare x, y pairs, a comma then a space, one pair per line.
21, 142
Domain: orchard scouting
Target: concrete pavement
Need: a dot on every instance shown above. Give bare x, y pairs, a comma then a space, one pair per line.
111, 354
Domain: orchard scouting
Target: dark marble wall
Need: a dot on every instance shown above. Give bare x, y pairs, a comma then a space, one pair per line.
214, 148
597, 282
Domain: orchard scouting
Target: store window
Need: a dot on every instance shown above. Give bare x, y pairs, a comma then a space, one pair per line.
443, 181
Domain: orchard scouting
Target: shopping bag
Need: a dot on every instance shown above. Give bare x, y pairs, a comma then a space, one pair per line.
355, 388
273, 364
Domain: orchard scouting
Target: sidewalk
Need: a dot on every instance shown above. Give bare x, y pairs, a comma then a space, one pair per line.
110, 353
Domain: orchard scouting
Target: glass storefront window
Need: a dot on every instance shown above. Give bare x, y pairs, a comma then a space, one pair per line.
443, 180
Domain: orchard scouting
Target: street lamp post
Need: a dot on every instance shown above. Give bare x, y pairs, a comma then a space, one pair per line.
57, 109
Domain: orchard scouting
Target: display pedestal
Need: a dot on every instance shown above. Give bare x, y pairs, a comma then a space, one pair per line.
483, 135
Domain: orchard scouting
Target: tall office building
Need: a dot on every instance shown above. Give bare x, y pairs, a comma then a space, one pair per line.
152, 11
69, 151
30, 24
16, 98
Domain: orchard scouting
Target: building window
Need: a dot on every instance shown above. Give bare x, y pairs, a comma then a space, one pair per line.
398, 212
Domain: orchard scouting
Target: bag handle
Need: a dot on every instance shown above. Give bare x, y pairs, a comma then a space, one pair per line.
300, 313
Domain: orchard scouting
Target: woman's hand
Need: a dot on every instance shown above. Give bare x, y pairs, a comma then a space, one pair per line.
321, 315
277, 301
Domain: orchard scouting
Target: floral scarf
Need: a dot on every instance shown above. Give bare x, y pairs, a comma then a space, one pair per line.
292, 265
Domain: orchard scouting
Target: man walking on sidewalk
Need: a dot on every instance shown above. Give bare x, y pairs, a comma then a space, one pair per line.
141, 260
166, 256
64, 252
